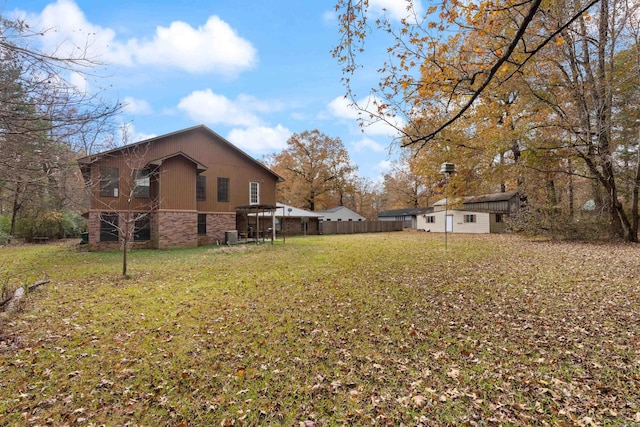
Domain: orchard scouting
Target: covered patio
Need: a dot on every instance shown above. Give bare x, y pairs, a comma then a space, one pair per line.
256, 222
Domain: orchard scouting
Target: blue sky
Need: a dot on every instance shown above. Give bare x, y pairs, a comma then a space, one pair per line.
253, 71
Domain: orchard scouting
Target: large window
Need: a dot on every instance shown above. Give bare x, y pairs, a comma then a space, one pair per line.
202, 224
223, 189
201, 188
142, 183
109, 178
142, 228
254, 193
469, 218
108, 227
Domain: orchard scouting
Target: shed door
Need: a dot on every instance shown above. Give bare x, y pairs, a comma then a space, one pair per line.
449, 223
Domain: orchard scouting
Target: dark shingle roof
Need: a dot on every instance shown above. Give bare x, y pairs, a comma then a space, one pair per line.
405, 212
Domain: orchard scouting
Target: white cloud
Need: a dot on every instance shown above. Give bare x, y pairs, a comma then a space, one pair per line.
129, 134
136, 106
341, 108
79, 82
260, 139
330, 17
395, 9
384, 165
212, 108
67, 33
367, 144
215, 47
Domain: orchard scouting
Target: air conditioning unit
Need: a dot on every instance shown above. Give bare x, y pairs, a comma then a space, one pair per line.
231, 237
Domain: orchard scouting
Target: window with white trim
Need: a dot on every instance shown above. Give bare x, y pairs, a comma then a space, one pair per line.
431, 219
469, 218
254, 193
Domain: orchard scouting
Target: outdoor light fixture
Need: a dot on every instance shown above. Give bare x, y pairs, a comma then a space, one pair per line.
447, 169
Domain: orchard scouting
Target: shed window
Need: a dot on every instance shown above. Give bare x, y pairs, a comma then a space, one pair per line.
142, 228
109, 227
223, 189
499, 217
431, 219
201, 188
142, 183
109, 178
202, 224
254, 193
469, 218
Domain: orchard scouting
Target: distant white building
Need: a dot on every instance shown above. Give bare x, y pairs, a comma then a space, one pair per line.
340, 213
479, 214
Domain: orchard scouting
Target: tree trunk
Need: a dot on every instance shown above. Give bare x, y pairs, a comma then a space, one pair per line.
16, 207
125, 243
634, 203
571, 193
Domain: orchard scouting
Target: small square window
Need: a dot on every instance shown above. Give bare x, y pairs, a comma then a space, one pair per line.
469, 218
431, 219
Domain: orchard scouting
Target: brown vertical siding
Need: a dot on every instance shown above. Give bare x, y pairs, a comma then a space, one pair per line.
177, 184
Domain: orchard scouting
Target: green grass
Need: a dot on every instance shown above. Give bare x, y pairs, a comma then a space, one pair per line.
377, 329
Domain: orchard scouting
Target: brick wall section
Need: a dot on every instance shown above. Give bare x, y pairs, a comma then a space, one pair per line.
177, 229
169, 230
94, 235
217, 224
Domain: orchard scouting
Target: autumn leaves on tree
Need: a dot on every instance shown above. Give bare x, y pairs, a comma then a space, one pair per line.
317, 171
535, 96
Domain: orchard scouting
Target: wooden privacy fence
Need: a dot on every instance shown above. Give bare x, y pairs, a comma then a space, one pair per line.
352, 227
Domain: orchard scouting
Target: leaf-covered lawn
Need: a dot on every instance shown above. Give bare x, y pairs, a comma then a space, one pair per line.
378, 329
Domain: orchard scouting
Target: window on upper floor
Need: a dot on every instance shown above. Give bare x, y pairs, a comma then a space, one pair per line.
201, 188
109, 178
254, 193
142, 183
223, 189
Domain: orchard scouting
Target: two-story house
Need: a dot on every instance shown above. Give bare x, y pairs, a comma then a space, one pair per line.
183, 189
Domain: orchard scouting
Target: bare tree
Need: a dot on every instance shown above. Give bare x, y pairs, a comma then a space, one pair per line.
44, 118
127, 216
